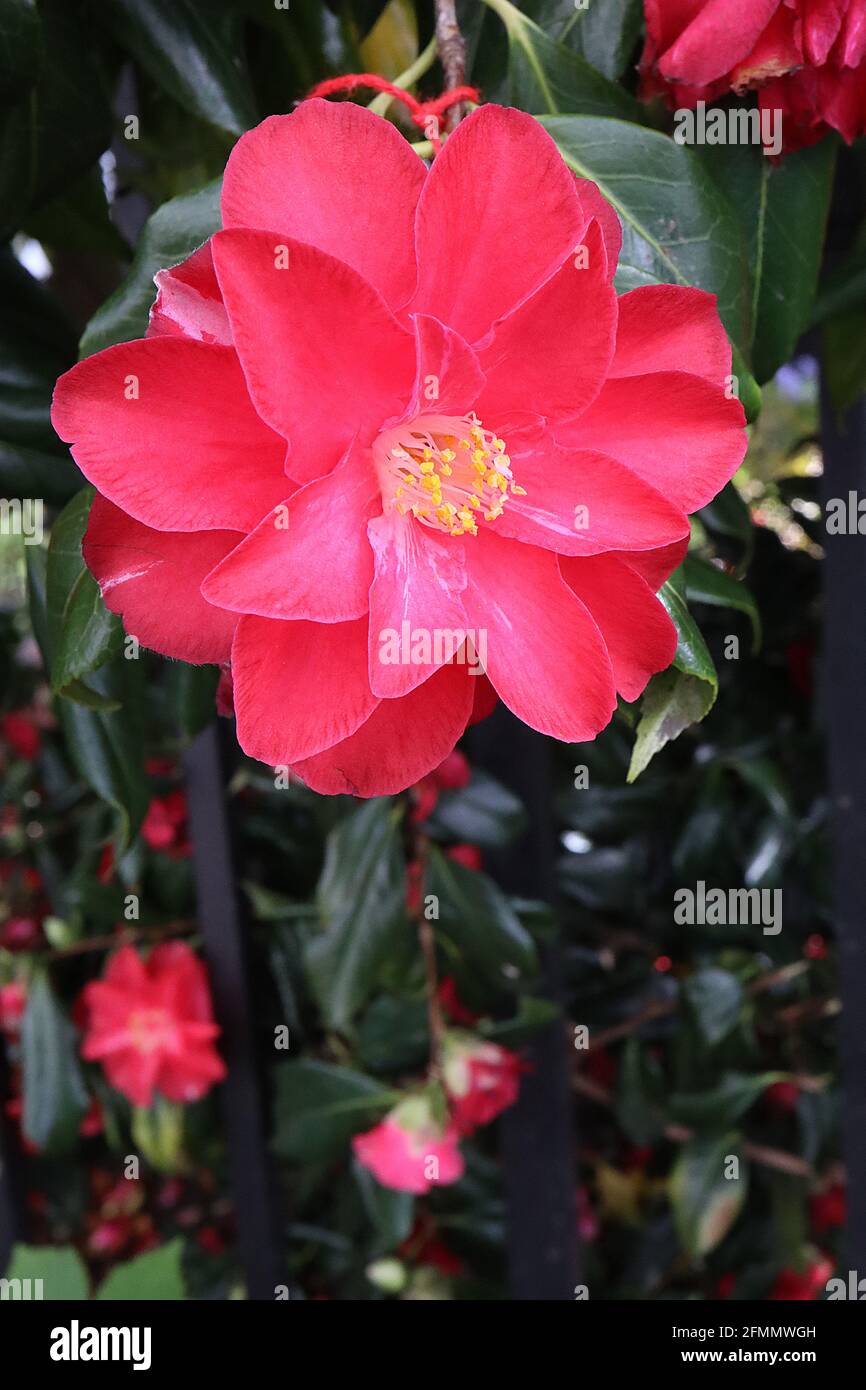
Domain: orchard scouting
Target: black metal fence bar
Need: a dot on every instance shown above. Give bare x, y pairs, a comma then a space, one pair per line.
845, 704
539, 1140
258, 1213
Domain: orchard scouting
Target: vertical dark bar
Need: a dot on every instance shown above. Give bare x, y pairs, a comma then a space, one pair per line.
257, 1212
11, 1206
539, 1132
844, 676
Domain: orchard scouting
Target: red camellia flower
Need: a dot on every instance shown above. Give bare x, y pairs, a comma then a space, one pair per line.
391, 427
481, 1079
164, 826
150, 1024
793, 1285
807, 57
13, 1002
411, 1150
20, 730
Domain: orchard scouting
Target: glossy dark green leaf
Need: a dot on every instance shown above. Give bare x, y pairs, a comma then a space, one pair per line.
477, 917
671, 703
361, 897
482, 813
678, 226
706, 583
546, 76
194, 53
36, 345
692, 655
717, 1107
729, 516
393, 1034
783, 207
84, 634
390, 1213
20, 45
169, 236
705, 1201
58, 129
640, 1094
715, 997
55, 1097
318, 1107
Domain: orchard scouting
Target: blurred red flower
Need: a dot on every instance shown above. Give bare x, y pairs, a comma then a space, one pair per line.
150, 1024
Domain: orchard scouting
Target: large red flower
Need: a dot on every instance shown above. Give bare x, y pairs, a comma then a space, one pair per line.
808, 57
150, 1024
384, 409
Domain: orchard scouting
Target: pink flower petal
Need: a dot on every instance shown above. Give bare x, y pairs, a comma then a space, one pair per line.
338, 177
153, 580
165, 428
310, 558
400, 743
299, 687
671, 329
679, 433
551, 355
449, 376
545, 655
639, 636
189, 303
498, 215
325, 360
420, 576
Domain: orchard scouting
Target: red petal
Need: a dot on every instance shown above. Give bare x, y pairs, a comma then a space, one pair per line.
677, 432
153, 580
338, 177
545, 656
400, 743
189, 453
325, 360
311, 557
498, 215
299, 687
639, 635
670, 328
189, 303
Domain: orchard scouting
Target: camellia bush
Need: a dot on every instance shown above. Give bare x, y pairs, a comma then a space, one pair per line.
411, 434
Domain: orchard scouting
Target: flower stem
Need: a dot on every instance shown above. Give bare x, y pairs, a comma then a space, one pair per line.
380, 104
452, 53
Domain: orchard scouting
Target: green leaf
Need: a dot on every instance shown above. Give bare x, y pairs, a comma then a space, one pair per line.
692, 656
20, 45
672, 702
678, 226
546, 76
783, 208
61, 1270
390, 1212
604, 34
532, 1014
706, 583
477, 917
706, 1203
361, 897
393, 1034
32, 473
318, 1107
720, 1106
482, 813
36, 345
729, 516
54, 1094
173, 232
84, 635
640, 1094
154, 1275
715, 998
105, 747
59, 128
194, 53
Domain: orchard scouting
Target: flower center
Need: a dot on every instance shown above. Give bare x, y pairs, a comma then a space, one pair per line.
447, 470
150, 1029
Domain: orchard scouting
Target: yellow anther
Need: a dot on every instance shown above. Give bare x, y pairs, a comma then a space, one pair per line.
427, 465
474, 502
448, 455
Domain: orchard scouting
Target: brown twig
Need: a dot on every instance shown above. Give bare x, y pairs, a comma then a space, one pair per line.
452, 54
113, 940
761, 1154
